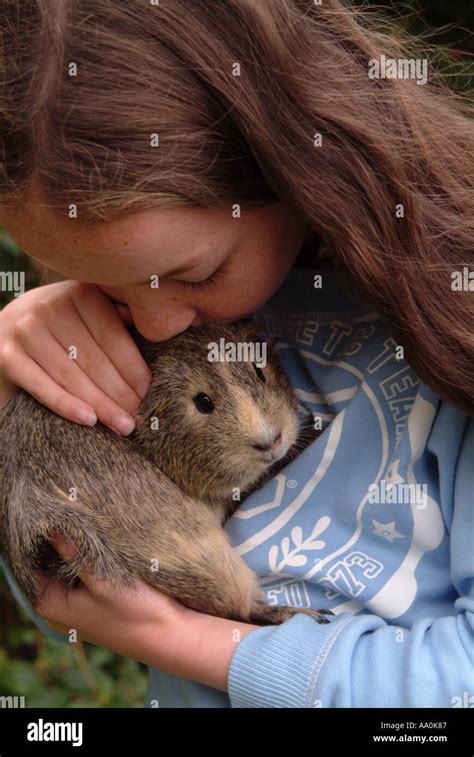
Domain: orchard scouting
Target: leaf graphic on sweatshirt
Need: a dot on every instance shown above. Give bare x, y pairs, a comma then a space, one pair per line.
295, 557
297, 535
285, 546
272, 558
321, 525
296, 561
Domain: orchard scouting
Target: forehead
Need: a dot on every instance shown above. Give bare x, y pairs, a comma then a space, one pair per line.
156, 240
218, 376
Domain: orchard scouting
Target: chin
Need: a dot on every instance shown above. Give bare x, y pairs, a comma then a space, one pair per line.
258, 472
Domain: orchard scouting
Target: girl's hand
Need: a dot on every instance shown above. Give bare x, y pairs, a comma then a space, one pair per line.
119, 619
68, 346
142, 623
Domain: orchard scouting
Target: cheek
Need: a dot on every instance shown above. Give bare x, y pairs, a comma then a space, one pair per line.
252, 284
234, 298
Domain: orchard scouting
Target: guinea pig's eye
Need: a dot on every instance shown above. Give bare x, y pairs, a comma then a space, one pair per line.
259, 372
203, 403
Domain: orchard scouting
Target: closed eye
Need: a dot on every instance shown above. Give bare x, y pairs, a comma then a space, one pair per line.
198, 286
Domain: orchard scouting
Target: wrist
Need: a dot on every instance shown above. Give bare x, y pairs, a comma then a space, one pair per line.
203, 647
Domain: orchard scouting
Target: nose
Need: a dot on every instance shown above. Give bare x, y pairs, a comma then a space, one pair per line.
269, 446
157, 320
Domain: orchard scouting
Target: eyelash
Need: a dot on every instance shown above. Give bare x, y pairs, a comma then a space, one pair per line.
198, 286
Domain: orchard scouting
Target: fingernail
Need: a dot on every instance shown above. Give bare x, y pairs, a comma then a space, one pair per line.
85, 416
142, 388
123, 424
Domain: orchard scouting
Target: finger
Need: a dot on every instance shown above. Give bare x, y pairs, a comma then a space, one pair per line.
43, 583
51, 356
69, 552
63, 609
124, 313
26, 373
102, 318
91, 358
52, 596
65, 548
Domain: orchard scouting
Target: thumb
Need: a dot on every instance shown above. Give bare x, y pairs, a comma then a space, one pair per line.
69, 552
63, 546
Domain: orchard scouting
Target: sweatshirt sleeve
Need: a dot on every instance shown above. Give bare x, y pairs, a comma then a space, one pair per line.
362, 661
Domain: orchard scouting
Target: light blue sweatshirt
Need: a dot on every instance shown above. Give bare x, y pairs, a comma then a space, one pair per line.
374, 520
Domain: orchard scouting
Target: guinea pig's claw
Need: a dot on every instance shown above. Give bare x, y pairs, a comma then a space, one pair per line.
276, 614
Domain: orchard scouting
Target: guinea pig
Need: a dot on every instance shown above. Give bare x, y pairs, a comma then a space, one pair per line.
152, 505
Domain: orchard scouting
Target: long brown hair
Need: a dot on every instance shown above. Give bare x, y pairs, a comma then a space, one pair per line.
118, 107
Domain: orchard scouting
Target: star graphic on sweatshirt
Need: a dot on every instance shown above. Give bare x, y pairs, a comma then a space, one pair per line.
393, 476
386, 530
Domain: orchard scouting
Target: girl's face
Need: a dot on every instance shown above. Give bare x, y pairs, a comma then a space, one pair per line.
210, 267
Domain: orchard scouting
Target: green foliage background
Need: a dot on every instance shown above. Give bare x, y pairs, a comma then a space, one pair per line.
50, 674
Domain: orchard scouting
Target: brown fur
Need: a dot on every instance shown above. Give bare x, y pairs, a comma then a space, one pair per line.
150, 505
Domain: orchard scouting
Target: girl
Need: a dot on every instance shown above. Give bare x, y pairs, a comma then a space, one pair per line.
214, 146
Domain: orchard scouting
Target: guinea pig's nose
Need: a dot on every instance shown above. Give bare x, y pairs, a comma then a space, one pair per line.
269, 446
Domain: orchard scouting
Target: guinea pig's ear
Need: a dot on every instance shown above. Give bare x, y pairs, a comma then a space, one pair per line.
250, 329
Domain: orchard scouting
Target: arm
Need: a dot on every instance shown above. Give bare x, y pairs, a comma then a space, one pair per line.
362, 661
141, 623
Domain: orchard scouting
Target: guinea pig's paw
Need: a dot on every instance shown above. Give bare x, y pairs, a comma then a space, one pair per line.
273, 615
318, 615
